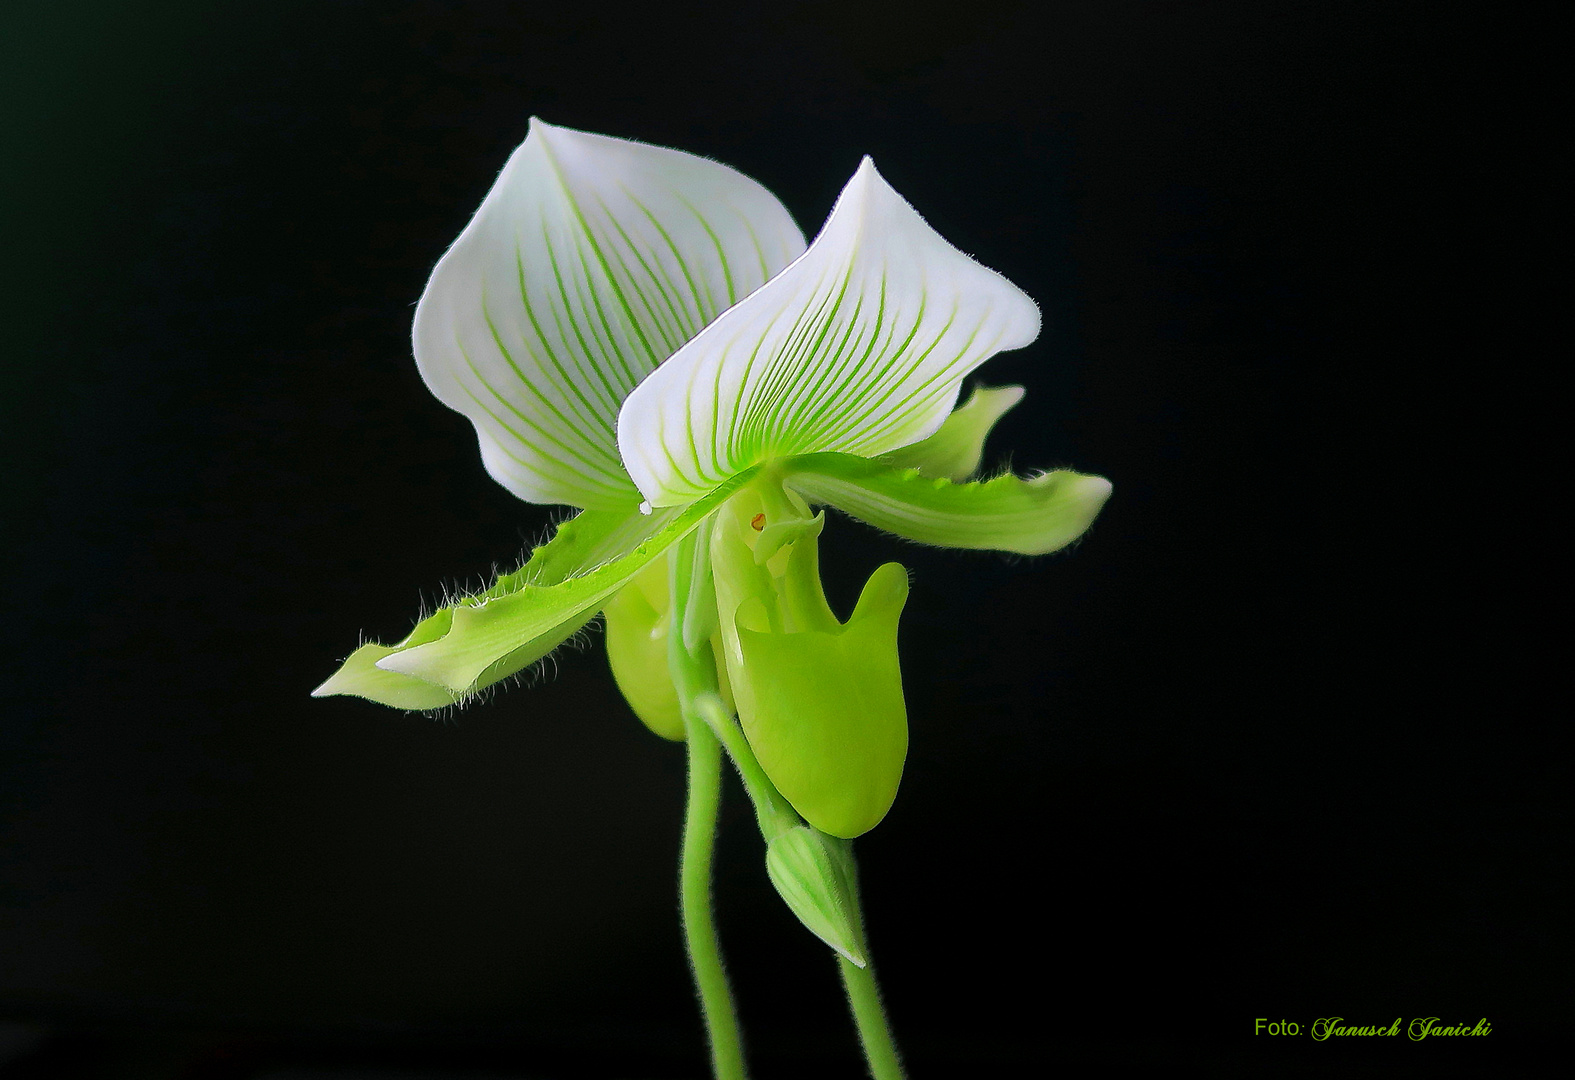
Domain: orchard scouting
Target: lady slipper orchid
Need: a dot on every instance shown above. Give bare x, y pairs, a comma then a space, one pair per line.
641, 333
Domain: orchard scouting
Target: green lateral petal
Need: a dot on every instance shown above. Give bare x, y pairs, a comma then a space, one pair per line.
1009, 513
582, 543
578, 545
360, 676
858, 347
954, 452
484, 633
589, 262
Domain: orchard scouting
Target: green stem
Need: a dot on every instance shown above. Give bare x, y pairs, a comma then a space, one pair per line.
774, 813
694, 675
705, 951
880, 1050
776, 816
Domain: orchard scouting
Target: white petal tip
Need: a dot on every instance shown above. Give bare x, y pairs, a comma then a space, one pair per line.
866, 176
330, 687
645, 507
1096, 489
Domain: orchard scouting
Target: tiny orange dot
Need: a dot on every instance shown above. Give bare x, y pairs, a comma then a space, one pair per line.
758, 522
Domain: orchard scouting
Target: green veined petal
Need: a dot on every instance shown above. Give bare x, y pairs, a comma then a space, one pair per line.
589, 262
859, 347
579, 545
484, 633
954, 452
1029, 516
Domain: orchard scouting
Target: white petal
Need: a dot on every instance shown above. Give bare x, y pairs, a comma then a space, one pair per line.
859, 347
590, 261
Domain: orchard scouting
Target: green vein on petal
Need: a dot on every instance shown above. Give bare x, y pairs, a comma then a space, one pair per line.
859, 347
591, 259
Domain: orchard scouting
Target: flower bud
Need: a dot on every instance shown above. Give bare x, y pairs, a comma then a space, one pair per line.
814, 876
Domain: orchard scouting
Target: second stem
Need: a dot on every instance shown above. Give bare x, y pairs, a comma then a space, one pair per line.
692, 676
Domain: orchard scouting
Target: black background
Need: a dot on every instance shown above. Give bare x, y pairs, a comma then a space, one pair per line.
1264, 745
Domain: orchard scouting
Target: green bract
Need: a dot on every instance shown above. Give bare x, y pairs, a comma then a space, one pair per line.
642, 333
815, 876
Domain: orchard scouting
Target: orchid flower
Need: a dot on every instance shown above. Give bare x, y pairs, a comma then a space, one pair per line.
642, 334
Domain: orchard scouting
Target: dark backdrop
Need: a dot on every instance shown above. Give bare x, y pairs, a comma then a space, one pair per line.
1261, 746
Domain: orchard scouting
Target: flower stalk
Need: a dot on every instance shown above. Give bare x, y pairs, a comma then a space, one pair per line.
694, 677
880, 1050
